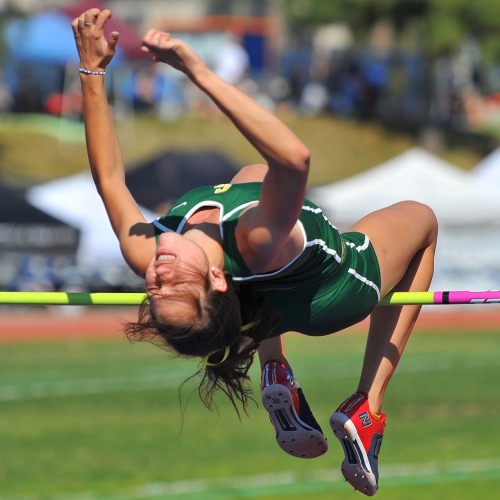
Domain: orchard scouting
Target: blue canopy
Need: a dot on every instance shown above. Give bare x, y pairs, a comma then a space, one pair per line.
46, 37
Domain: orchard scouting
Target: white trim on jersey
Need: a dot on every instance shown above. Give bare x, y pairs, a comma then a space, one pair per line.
265, 275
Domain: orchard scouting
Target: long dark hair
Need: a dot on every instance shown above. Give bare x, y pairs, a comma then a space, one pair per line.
221, 318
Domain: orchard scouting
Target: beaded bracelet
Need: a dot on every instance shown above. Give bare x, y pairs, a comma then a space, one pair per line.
90, 72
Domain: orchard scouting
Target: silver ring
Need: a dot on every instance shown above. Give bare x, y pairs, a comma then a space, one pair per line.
88, 24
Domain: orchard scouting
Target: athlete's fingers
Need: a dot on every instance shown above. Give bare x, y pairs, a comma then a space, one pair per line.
102, 18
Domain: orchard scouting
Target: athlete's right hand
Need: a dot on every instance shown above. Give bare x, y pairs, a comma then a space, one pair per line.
94, 49
175, 53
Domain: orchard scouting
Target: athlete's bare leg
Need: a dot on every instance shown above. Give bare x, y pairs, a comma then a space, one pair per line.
272, 349
404, 237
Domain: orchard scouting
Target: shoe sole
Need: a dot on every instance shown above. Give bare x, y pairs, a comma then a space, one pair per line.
292, 435
356, 467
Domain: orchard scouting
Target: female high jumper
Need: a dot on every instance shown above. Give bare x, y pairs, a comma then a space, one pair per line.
231, 268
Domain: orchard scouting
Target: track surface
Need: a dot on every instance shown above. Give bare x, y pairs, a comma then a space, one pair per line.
68, 322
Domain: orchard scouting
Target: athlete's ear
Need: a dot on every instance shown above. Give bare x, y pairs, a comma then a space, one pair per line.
218, 279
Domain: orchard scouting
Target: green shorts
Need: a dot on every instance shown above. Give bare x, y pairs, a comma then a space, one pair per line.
355, 297
344, 299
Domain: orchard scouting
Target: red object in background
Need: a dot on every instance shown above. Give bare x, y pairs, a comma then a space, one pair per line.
130, 40
58, 104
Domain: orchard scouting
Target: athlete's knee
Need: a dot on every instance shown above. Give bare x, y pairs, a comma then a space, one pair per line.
424, 216
428, 217
419, 211
421, 215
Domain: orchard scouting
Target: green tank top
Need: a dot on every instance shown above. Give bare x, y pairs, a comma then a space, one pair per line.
333, 283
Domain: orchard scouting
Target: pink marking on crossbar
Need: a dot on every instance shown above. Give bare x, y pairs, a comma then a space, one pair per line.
466, 297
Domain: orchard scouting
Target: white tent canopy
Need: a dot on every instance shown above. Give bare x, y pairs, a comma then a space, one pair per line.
467, 209
488, 169
74, 200
455, 196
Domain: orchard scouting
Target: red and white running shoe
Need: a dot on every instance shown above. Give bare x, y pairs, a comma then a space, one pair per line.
297, 432
360, 432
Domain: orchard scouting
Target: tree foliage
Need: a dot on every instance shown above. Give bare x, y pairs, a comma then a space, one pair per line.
440, 25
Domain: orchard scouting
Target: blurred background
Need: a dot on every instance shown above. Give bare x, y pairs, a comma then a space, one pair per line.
397, 99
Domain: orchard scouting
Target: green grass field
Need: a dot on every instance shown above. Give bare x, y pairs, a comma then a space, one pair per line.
339, 148
85, 420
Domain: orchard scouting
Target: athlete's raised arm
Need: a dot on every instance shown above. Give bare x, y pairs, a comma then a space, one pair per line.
267, 227
105, 157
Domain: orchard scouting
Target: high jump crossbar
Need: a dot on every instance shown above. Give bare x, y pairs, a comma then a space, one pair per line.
135, 299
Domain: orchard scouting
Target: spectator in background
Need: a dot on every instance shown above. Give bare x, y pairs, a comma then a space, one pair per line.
231, 61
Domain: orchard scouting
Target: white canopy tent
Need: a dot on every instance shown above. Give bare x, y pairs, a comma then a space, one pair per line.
488, 170
467, 209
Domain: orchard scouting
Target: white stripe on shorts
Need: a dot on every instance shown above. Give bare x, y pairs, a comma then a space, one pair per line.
365, 280
359, 248
325, 248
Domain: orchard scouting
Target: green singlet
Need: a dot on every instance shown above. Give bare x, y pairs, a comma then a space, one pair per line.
332, 284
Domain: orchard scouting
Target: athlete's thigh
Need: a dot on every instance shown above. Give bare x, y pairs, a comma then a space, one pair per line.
398, 233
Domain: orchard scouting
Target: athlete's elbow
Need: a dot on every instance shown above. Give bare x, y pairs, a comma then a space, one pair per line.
292, 160
301, 159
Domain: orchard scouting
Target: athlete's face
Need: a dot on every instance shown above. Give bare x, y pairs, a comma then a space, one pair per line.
176, 278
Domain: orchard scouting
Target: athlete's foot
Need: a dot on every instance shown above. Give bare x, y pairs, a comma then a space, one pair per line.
360, 432
297, 432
